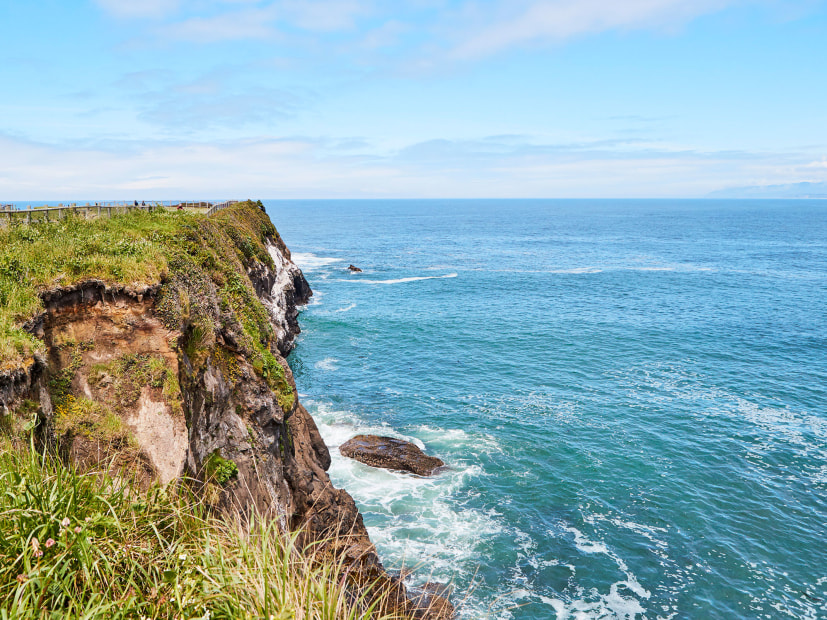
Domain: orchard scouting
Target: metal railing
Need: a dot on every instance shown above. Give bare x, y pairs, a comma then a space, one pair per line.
221, 205
9, 212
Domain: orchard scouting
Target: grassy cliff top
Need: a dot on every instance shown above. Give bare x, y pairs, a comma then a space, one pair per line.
135, 249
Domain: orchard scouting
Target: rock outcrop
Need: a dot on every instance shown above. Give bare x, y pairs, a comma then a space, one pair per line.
186, 378
354, 269
390, 453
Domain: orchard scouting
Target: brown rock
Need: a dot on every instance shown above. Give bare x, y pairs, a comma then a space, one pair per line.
430, 601
354, 268
390, 453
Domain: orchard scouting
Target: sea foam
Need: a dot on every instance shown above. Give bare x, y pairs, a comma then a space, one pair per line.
401, 280
307, 261
416, 522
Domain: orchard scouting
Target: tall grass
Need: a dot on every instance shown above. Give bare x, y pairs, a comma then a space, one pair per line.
84, 545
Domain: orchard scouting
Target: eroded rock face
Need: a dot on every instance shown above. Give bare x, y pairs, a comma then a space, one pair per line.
21, 382
113, 380
390, 453
280, 456
24, 398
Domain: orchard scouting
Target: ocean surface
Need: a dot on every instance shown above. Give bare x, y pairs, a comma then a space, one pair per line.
631, 397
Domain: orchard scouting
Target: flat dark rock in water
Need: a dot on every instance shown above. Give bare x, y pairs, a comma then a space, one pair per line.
354, 268
390, 453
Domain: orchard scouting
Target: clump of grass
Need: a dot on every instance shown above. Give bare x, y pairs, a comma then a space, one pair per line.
18, 421
219, 469
81, 416
228, 364
61, 384
86, 546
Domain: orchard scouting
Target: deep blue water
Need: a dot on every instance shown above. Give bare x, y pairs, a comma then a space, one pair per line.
631, 397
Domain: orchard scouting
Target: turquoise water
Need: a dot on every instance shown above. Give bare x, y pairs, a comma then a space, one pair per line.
630, 397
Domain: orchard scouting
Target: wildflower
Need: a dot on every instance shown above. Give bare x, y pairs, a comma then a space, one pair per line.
65, 522
78, 530
36, 548
50, 542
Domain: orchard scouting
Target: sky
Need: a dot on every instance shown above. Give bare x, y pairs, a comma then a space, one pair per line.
173, 99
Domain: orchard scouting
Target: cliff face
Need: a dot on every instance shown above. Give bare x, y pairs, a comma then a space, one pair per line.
186, 378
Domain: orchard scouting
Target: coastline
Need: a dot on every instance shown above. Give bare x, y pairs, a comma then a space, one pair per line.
221, 382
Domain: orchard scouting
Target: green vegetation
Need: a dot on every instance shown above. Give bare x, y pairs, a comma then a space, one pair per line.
123, 249
81, 416
198, 258
218, 469
61, 384
18, 423
86, 546
124, 377
99, 544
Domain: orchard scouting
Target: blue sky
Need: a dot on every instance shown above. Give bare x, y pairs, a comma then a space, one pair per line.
154, 99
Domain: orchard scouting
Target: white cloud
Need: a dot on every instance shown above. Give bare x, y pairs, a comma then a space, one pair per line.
247, 23
315, 168
464, 30
323, 15
521, 22
229, 20
138, 8
822, 163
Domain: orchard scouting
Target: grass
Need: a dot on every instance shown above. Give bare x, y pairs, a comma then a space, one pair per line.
124, 249
201, 261
87, 546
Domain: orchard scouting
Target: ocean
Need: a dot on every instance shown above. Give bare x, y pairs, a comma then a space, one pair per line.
630, 396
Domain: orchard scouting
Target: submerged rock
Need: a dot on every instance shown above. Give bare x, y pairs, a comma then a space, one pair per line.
390, 453
354, 268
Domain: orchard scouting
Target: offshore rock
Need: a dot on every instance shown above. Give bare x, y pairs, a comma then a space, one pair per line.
354, 268
390, 453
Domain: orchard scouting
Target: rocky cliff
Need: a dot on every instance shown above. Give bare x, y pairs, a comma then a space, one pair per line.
184, 378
